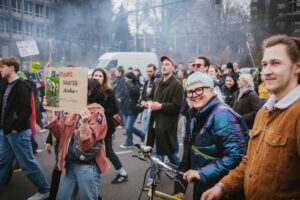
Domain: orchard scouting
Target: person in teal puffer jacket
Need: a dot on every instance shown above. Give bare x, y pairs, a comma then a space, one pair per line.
218, 136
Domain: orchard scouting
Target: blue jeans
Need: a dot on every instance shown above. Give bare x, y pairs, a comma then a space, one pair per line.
18, 145
129, 124
145, 119
85, 178
173, 158
45, 120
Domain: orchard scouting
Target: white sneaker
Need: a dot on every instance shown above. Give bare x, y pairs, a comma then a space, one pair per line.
39, 196
124, 146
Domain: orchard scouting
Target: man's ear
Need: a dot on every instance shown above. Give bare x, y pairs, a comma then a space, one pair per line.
12, 68
297, 71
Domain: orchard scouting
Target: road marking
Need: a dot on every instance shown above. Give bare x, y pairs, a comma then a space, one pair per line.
123, 152
39, 150
17, 170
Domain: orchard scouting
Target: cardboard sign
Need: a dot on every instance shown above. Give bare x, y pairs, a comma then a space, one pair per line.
66, 88
27, 48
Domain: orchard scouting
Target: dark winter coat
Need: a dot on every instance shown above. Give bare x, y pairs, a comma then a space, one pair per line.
219, 138
144, 92
228, 93
247, 106
118, 87
131, 97
163, 123
110, 109
18, 108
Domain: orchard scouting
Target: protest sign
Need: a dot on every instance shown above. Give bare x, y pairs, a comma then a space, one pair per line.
27, 48
66, 88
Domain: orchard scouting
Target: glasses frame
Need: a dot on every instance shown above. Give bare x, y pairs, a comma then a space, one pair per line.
188, 92
198, 65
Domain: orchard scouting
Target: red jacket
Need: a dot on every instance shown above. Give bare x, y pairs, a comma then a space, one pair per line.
64, 129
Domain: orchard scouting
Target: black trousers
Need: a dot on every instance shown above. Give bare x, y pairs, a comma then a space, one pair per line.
54, 184
120, 113
110, 154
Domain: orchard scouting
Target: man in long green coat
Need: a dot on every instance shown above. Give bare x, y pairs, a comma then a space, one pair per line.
165, 100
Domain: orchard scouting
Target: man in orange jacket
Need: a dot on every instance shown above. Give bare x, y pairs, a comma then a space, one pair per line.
270, 170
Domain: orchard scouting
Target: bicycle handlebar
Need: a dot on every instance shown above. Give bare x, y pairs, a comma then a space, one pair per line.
146, 152
159, 162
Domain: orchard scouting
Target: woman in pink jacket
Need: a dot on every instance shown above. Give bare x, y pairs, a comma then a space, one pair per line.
87, 128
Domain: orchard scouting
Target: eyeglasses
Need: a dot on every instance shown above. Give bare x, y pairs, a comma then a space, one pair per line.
197, 65
198, 92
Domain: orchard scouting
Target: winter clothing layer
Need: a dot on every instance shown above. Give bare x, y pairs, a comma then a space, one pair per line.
263, 92
228, 93
110, 109
18, 108
218, 142
131, 98
247, 105
270, 170
118, 87
144, 92
163, 123
64, 130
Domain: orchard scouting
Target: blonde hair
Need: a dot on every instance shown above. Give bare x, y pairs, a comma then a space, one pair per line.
248, 78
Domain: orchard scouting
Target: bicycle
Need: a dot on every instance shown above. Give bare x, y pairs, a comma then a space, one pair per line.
172, 171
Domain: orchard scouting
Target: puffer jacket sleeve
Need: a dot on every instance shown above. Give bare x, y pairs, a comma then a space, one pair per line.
229, 138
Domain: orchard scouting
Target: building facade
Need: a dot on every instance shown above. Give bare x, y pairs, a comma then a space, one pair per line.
275, 17
26, 20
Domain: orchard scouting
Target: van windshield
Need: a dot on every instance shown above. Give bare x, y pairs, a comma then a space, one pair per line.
101, 63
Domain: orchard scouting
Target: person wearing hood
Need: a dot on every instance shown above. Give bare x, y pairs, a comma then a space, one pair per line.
245, 101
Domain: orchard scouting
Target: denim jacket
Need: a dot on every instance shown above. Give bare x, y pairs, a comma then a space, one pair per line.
218, 141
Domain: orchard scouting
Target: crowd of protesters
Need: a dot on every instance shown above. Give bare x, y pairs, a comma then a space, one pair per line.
240, 131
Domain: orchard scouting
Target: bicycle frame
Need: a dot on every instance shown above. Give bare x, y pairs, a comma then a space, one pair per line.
161, 195
145, 154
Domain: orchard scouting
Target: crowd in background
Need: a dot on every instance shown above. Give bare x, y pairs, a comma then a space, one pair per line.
217, 106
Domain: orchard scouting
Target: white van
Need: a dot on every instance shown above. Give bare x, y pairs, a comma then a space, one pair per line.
127, 59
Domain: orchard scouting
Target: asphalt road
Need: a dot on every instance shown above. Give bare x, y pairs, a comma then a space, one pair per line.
20, 188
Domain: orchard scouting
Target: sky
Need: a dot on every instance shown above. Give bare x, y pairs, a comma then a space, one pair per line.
144, 28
